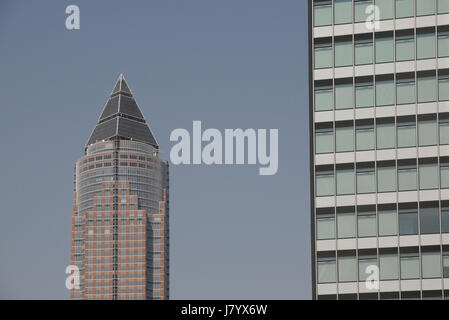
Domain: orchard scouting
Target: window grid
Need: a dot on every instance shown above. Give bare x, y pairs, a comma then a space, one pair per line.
397, 39
440, 124
400, 9
399, 167
439, 79
438, 98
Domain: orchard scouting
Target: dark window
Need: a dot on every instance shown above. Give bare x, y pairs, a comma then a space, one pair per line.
408, 222
430, 220
445, 220
327, 297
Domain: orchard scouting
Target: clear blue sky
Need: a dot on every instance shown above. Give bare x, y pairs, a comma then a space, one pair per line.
231, 64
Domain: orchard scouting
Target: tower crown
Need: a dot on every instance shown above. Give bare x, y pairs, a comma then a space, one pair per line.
122, 119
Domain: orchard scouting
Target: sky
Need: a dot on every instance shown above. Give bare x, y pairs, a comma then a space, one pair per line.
230, 64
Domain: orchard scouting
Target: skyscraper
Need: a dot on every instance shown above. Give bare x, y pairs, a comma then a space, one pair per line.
120, 222
379, 122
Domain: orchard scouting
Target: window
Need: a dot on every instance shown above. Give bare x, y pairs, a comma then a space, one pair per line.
425, 45
366, 262
386, 135
326, 270
98, 205
389, 267
366, 223
323, 98
344, 96
408, 222
427, 133
366, 180
325, 183
407, 178
405, 8
406, 134
360, 7
342, 11
346, 224
428, 176
384, 93
443, 6
322, 13
430, 220
425, 7
432, 295
388, 225
405, 47
409, 266
386, 179
445, 219
363, 51
405, 91
343, 53
365, 138
444, 131
446, 265
345, 181
345, 139
443, 44
384, 48
427, 89
324, 141
347, 269
364, 94
323, 55
385, 9
443, 87
431, 264
444, 172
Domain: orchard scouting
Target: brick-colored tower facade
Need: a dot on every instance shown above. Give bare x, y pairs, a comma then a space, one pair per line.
120, 225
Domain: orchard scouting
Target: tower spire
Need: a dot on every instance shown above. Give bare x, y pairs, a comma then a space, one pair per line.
121, 86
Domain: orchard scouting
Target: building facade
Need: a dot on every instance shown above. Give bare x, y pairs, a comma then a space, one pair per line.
120, 222
379, 122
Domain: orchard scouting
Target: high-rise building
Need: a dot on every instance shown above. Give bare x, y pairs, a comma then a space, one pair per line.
120, 225
379, 123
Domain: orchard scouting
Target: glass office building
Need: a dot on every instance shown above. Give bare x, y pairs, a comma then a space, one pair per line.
379, 122
120, 222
